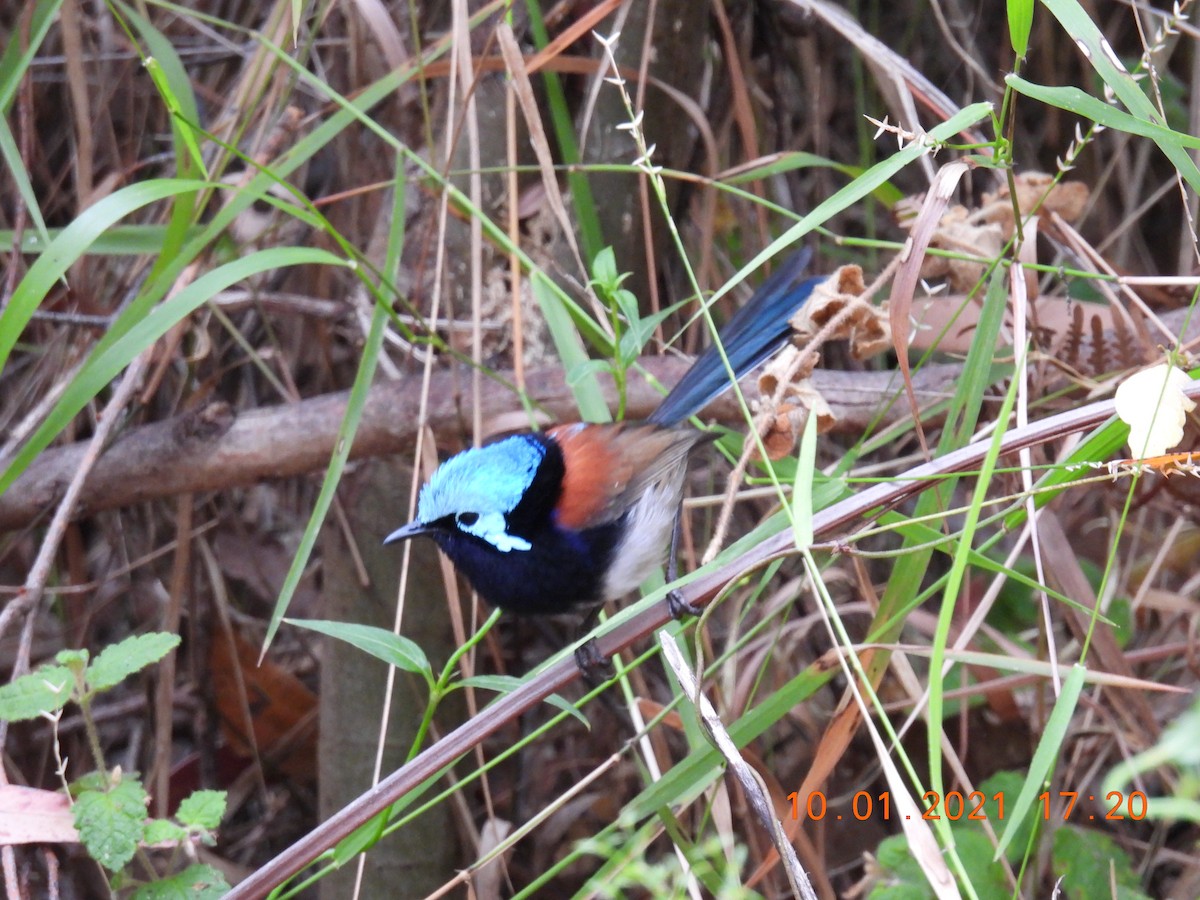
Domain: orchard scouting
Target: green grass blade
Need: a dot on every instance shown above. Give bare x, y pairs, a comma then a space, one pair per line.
105, 364
20, 176
1054, 738
337, 463
350, 421
18, 55
72, 244
1086, 35
1020, 23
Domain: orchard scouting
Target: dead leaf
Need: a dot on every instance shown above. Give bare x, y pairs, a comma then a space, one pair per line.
282, 709
33, 816
1067, 199
863, 325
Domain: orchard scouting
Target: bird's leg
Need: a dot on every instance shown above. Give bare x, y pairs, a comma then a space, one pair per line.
677, 605
593, 665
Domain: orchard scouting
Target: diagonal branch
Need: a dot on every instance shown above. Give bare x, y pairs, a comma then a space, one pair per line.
701, 590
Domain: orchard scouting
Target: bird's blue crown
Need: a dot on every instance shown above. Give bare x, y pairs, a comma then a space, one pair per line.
483, 480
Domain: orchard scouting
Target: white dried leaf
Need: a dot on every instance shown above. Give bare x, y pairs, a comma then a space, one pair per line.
1152, 403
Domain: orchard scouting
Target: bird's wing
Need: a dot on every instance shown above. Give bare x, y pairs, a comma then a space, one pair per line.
608, 467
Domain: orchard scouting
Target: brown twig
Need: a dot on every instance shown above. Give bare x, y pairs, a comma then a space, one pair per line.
40, 570
210, 449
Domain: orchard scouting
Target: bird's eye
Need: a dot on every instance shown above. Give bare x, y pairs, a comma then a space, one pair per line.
468, 519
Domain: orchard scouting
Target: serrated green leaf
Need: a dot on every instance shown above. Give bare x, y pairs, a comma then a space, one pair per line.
46, 690
393, 649
203, 809
75, 660
118, 662
1089, 862
163, 831
902, 876
196, 882
89, 781
110, 824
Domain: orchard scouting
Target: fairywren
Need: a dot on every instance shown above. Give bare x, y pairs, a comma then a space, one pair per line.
570, 518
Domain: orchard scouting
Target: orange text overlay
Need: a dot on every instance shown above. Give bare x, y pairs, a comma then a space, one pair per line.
975, 806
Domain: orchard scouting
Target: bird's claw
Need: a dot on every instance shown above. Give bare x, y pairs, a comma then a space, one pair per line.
678, 606
593, 665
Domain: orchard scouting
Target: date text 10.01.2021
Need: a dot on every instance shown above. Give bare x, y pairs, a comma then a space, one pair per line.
975, 806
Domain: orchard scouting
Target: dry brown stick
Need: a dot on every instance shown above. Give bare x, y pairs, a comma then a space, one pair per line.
212, 450
35, 583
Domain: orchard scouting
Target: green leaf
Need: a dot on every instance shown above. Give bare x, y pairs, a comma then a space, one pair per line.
394, 649
860, 187
170, 78
639, 332
120, 240
1099, 52
75, 660
46, 690
73, 243
1048, 751
802, 486
902, 878
604, 267
627, 305
104, 365
791, 161
15, 63
185, 133
118, 662
163, 831
1020, 23
110, 824
1089, 862
1008, 784
974, 848
333, 472
587, 369
361, 839
589, 396
203, 809
196, 882
1074, 100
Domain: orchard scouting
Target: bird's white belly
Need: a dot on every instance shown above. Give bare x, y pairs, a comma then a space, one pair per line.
647, 536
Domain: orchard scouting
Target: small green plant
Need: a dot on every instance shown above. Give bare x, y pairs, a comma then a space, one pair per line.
110, 805
632, 331
631, 870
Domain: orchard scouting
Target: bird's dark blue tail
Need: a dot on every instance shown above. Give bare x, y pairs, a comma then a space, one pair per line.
754, 332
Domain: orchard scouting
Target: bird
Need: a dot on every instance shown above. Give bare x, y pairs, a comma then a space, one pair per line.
567, 519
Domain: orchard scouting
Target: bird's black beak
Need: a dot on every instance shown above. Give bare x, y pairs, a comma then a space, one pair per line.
411, 530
